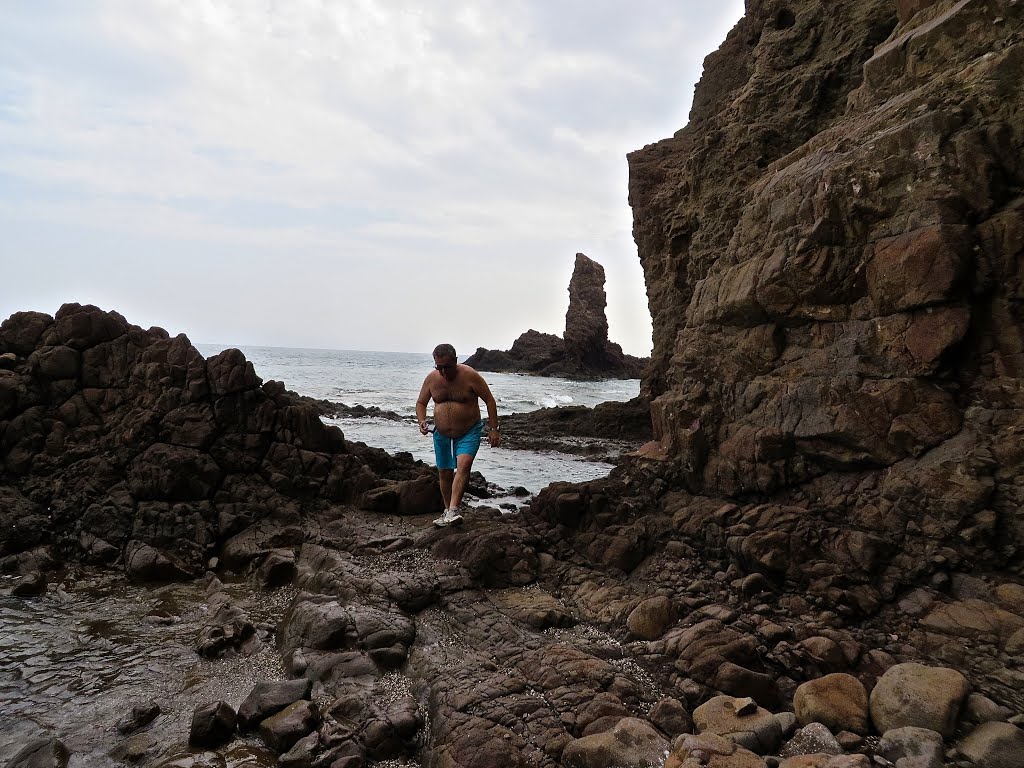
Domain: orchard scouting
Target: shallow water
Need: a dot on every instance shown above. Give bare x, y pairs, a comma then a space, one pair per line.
392, 380
74, 661
532, 470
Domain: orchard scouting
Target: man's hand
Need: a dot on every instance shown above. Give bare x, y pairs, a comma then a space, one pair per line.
423, 428
495, 437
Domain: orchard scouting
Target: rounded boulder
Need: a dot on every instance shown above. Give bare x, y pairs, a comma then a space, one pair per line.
838, 701
915, 695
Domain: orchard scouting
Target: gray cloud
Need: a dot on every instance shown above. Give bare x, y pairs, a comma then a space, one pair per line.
339, 174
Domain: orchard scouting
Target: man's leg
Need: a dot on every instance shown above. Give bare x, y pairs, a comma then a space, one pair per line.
457, 487
445, 461
444, 479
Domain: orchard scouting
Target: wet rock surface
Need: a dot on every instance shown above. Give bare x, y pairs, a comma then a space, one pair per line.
418, 653
605, 432
584, 350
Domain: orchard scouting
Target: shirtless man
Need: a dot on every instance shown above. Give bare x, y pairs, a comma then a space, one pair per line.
456, 390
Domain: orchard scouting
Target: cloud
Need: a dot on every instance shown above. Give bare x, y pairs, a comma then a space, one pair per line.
422, 144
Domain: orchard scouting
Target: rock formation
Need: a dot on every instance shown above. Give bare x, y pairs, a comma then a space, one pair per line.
817, 561
125, 444
833, 248
584, 350
604, 432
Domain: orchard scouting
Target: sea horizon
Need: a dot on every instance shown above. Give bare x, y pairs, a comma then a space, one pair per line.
304, 349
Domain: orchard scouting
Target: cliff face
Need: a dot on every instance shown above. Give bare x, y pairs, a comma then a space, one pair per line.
833, 250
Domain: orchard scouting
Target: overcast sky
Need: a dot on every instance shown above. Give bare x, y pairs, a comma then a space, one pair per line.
346, 174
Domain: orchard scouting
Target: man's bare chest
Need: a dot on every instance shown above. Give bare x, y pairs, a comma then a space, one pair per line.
447, 393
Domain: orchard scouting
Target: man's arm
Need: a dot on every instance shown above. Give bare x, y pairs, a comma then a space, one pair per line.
484, 393
421, 405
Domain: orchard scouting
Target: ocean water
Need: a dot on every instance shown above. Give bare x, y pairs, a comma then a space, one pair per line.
391, 381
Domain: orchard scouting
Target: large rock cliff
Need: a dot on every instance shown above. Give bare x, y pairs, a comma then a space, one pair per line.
833, 249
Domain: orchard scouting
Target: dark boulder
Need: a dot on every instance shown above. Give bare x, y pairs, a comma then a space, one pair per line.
21, 332
212, 725
283, 730
322, 622
146, 563
268, 698
140, 716
22, 526
173, 472
81, 327
419, 496
277, 569
231, 373
31, 584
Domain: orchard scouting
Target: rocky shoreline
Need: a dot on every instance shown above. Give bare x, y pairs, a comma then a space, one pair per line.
505, 639
601, 616
816, 562
606, 432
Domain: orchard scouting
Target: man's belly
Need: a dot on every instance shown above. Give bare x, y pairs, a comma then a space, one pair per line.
453, 419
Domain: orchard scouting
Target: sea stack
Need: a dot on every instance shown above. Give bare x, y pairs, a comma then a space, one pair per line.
584, 351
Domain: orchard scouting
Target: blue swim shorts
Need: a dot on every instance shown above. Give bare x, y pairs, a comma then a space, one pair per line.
447, 448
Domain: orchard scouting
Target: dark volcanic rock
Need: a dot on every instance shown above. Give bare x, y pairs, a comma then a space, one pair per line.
111, 435
228, 629
41, 753
212, 725
22, 526
140, 716
532, 352
605, 431
586, 327
32, 584
335, 410
277, 569
283, 730
836, 324
145, 563
270, 697
584, 351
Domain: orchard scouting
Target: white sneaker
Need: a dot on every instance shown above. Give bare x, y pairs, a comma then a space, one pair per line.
450, 517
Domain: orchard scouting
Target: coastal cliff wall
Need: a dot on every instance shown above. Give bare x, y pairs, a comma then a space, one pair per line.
833, 251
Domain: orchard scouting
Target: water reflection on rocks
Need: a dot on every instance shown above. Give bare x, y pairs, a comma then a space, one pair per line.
75, 661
